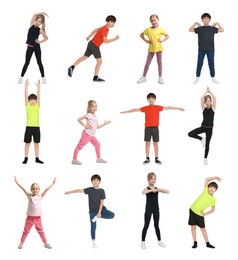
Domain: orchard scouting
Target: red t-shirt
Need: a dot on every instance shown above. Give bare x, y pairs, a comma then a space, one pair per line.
100, 34
151, 115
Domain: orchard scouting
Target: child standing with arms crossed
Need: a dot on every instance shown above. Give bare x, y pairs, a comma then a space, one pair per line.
88, 134
152, 208
156, 36
37, 27
97, 209
100, 36
34, 212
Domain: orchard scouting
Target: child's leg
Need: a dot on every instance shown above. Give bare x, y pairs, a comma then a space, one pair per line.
39, 229
28, 225
36, 148
208, 139
210, 58
97, 67
147, 149
96, 144
147, 218
194, 234
156, 148
85, 138
156, 224
92, 214
204, 233
201, 55
26, 150
159, 62
148, 61
83, 58
29, 53
107, 214
38, 59
195, 133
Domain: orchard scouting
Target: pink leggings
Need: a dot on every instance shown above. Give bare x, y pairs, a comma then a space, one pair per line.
30, 221
85, 138
149, 59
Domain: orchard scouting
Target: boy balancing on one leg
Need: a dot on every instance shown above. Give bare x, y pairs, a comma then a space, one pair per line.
152, 112
197, 209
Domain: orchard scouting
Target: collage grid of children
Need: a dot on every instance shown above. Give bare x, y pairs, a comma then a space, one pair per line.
130, 104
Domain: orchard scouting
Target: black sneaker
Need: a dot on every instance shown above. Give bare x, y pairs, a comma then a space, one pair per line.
147, 161
70, 71
98, 80
158, 161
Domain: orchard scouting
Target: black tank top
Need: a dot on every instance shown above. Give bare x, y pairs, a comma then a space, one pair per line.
152, 200
208, 117
33, 34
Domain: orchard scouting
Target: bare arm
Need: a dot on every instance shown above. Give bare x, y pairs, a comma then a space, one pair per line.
25, 191
207, 180
34, 17
173, 108
44, 192
91, 34
110, 40
131, 110
80, 120
144, 39
100, 209
162, 190
74, 191
163, 39
214, 101
38, 92
209, 211
105, 123
146, 190
45, 37
27, 83
191, 29
220, 28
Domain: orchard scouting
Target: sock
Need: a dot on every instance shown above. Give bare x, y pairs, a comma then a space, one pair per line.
25, 160
156, 158
95, 77
209, 245
195, 244
38, 160
148, 158
72, 67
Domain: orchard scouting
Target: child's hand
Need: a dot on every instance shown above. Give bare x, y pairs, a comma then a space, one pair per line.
67, 193
37, 41
38, 83
87, 38
214, 24
117, 37
107, 122
99, 215
149, 42
88, 126
54, 180
181, 109
15, 178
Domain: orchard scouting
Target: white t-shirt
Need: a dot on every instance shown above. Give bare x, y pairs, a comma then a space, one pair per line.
92, 120
34, 205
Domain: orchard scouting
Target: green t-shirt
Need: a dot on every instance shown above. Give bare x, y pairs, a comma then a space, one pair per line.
204, 201
32, 115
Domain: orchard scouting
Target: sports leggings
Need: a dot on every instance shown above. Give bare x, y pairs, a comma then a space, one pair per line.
149, 59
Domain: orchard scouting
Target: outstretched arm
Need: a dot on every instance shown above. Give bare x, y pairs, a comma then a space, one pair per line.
106, 40
131, 110
191, 29
38, 92
91, 34
173, 108
144, 39
25, 191
74, 191
44, 192
207, 180
27, 83
34, 17
220, 28
105, 123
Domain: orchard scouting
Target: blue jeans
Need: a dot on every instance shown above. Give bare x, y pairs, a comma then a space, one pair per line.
210, 58
104, 214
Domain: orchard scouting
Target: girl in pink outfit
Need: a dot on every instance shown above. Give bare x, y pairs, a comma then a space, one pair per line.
34, 212
88, 134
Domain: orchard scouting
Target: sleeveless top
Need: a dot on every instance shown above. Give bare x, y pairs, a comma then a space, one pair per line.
33, 34
208, 117
152, 200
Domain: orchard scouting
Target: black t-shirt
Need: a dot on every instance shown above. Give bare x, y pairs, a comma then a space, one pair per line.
208, 117
206, 37
152, 200
94, 197
33, 34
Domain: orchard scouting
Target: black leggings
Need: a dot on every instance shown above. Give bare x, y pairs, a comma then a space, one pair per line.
195, 134
29, 53
147, 217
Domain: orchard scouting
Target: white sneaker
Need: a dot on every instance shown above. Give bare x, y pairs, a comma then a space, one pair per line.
160, 80
76, 162
20, 246
214, 80
203, 141
143, 245
94, 244
196, 80
47, 245
43, 79
100, 160
20, 80
205, 161
142, 80
161, 243
94, 219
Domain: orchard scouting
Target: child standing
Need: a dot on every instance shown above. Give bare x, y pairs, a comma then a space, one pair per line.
208, 105
32, 103
37, 27
34, 212
88, 134
206, 44
97, 209
197, 210
100, 36
156, 35
152, 113
152, 208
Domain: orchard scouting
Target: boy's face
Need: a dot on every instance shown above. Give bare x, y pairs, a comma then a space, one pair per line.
32, 102
206, 21
110, 24
211, 190
95, 183
151, 100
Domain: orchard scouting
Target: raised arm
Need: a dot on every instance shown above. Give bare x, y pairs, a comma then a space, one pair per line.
44, 192
214, 100
38, 92
74, 191
80, 120
91, 34
106, 40
25, 191
144, 39
220, 28
191, 29
131, 111
34, 17
173, 108
27, 83
105, 123
207, 180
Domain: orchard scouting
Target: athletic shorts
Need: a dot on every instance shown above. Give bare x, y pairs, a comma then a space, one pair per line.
151, 132
92, 49
196, 220
32, 131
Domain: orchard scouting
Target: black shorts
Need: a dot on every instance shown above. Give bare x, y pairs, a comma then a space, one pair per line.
196, 220
92, 49
32, 131
151, 132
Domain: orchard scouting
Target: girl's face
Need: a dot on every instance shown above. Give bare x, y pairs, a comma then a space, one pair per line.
35, 190
152, 181
154, 21
208, 102
38, 22
93, 108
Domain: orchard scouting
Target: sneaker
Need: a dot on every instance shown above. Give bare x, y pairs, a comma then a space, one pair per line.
161, 243
196, 80
94, 219
203, 141
100, 160
98, 80
47, 245
157, 161
20, 246
214, 80
147, 161
94, 244
43, 80
76, 162
20, 80
70, 71
141, 80
205, 161
143, 245
160, 80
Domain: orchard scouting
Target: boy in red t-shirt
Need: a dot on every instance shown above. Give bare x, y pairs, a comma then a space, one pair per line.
94, 47
152, 125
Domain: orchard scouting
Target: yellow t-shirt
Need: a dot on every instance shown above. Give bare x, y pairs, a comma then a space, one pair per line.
153, 36
204, 201
32, 115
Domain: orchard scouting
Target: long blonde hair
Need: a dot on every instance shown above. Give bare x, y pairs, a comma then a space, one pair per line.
42, 17
90, 103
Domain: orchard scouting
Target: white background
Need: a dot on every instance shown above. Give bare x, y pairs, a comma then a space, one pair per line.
64, 99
